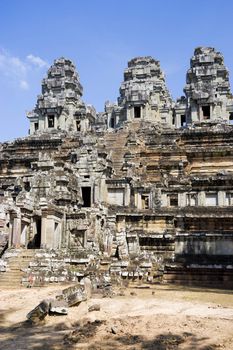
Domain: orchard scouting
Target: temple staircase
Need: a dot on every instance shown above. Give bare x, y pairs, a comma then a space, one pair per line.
17, 261
116, 143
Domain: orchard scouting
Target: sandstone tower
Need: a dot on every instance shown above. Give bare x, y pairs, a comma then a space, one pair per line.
143, 95
60, 106
207, 88
141, 191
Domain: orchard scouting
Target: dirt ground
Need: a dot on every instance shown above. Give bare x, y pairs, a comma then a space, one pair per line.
159, 317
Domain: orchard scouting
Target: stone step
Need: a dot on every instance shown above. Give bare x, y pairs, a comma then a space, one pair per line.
21, 261
11, 273
10, 282
7, 282
12, 286
12, 278
18, 267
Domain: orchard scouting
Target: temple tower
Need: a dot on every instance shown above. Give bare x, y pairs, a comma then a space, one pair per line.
60, 106
207, 89
143, 95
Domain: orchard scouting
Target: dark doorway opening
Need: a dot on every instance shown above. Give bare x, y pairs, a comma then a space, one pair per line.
112, 123
86, 196
35, 242
206, 112
36, 126
137, 112
78, 125
51, 121
183, 120
37, 238
231, 118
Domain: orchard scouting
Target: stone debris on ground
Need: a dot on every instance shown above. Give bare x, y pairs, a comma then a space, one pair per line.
94, 307
39, 313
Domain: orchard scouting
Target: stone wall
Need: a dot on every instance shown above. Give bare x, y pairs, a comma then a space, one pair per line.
125, 198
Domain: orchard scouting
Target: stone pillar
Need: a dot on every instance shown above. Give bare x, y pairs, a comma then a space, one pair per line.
201, 198
221, 198
43, 242
96, 193
57, 235
129, 112
136, 199
55, 121
164, 200
10, 233
211, 112
117, 119
182, 199
127, 195
16, 232
103, 193
49, 232
177, 120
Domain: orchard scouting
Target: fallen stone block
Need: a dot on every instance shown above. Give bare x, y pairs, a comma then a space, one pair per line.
114, 330
39, 313
59, 307
94, 307
73, 295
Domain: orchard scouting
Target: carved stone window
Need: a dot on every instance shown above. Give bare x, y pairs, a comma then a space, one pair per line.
78, 238
51, 121
174, 200
145, 201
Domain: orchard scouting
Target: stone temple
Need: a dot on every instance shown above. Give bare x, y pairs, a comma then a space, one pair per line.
141, 191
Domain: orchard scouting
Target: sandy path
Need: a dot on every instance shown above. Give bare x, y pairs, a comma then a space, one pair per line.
167, 320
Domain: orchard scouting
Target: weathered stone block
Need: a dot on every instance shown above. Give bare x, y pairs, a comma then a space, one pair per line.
58, 307
73, 295
39, 313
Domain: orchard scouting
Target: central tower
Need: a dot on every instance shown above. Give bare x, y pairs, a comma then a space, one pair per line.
143, 94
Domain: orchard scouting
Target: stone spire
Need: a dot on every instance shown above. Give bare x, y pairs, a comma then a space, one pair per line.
60, 106
207, 87
62, 84
143, 94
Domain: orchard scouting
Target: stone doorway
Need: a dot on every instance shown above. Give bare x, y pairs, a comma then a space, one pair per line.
35, 242
86, 196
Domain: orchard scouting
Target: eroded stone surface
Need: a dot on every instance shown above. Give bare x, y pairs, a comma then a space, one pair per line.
142, 191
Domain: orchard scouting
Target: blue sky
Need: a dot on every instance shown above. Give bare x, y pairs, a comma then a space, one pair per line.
100, 36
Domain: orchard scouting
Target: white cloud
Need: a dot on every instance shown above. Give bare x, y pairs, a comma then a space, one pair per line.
37, 61
11, 65
24, 85
18, 71
17, 65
